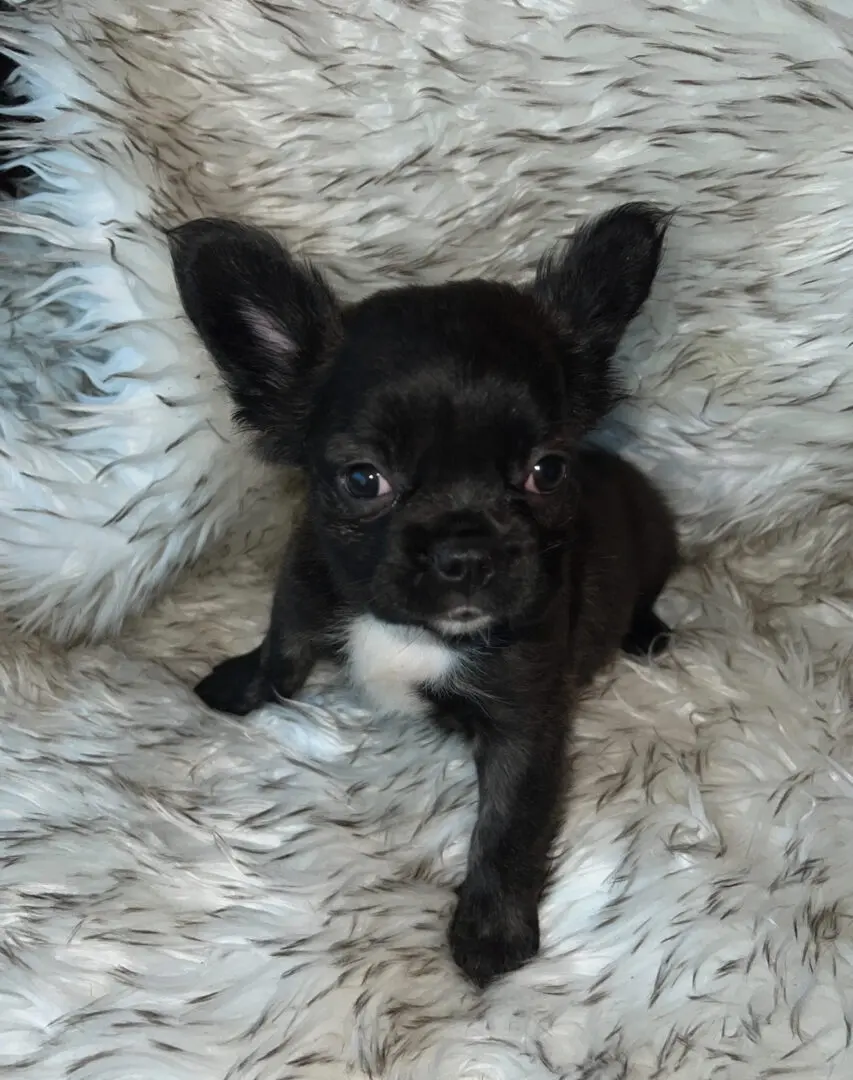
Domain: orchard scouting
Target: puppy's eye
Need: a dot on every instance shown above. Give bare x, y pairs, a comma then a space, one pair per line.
546, 475
365, 481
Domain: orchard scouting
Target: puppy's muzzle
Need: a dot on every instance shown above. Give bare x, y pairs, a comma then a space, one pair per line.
465, 564
463, 552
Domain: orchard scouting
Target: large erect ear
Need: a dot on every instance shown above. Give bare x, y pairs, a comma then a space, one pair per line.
266, 321
594, 285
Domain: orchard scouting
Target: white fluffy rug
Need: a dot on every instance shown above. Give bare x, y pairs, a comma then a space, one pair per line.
183, 897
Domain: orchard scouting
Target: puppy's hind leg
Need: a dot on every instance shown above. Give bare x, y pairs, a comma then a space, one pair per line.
648, 634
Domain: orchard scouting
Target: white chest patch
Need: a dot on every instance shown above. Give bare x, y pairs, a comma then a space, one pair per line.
388, 663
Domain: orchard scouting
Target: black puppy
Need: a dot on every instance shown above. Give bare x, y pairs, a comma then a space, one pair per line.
460, 550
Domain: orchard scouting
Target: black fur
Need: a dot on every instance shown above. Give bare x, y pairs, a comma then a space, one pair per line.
453, 393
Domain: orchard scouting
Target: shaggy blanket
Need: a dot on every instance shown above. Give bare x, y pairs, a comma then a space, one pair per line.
186, 897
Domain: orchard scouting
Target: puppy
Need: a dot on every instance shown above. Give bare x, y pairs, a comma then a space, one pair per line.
461, 550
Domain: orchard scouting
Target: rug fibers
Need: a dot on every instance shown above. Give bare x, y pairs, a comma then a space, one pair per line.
185, 897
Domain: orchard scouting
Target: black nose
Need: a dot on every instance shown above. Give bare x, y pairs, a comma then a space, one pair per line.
462, 563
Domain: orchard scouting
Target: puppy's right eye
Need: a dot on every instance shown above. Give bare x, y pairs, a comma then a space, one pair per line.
546, 475
365, 481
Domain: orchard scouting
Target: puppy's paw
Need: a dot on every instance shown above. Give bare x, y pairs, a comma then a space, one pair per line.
237, 686
492, 935
648, 635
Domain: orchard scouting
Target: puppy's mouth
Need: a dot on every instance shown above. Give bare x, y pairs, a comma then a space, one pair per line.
463, 621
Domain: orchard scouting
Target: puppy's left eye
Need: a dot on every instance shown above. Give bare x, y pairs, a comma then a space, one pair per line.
365, 481
546, 475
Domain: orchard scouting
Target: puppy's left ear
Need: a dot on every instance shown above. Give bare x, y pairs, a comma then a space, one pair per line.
594, 286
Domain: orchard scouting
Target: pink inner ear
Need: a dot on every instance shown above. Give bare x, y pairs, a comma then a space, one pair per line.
268, 330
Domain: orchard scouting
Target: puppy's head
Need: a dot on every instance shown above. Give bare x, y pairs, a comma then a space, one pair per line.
437, 425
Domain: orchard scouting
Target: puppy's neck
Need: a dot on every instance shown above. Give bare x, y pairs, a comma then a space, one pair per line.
391, 663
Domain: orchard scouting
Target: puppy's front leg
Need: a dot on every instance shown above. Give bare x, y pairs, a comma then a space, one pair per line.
521, 769
302, 611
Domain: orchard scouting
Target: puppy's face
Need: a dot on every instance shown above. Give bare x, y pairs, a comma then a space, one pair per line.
439, 447
437, 424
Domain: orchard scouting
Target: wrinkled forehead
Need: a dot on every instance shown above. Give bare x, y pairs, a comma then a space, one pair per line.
467, 366
477, 327
430, 421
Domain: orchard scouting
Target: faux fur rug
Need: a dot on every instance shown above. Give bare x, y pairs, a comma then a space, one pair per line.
190, 898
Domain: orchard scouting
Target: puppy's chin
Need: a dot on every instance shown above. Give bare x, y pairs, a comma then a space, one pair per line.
464, 623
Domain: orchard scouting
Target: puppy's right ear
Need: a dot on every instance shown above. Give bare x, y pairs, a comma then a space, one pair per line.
266, 321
